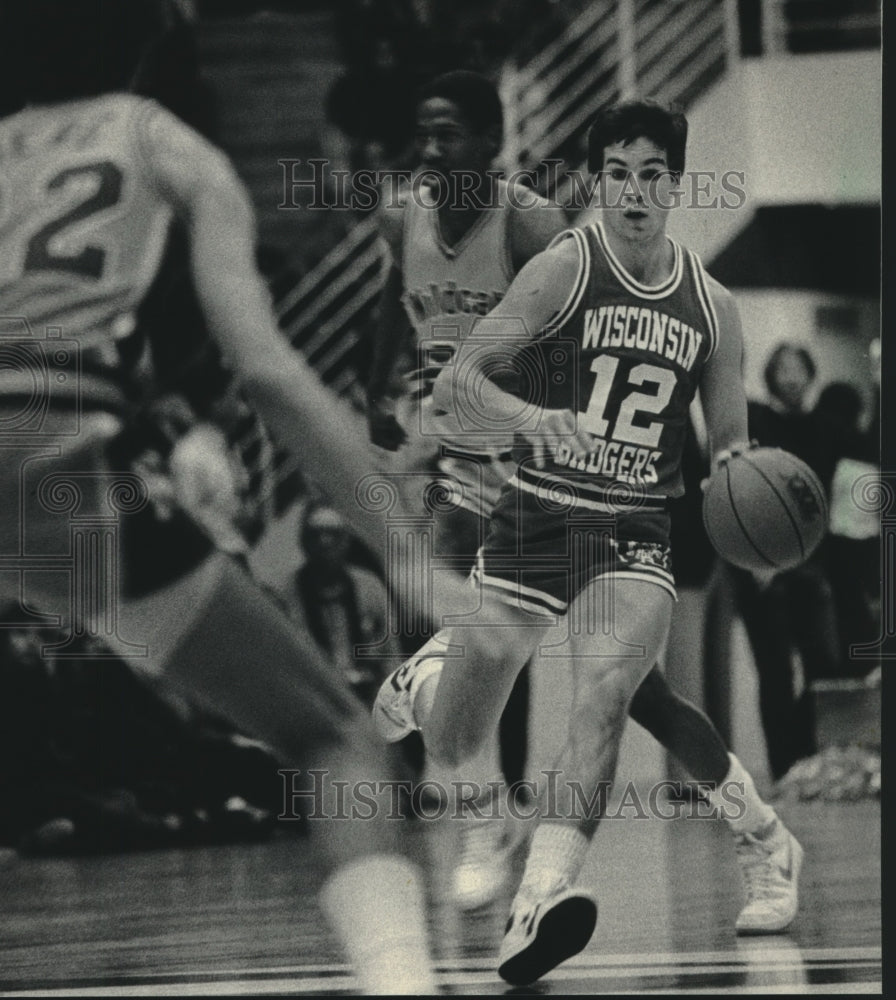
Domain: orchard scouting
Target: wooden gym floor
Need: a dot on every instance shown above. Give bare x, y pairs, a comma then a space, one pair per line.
242, 920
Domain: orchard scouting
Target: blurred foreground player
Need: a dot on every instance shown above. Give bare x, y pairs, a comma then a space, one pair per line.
92, 180
649, 328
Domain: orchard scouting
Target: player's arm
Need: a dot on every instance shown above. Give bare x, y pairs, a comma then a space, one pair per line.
202, 187
535, 299
389, 337
722, 391
533, 224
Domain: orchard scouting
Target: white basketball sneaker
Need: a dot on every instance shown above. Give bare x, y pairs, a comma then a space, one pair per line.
393, 709
541, 935
770, 863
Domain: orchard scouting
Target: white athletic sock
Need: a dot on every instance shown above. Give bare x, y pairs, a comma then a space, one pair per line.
739, 802
375, 905
555, 859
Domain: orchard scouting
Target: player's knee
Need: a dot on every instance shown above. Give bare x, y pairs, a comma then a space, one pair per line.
456, 745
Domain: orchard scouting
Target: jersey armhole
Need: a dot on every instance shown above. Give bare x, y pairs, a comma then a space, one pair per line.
562, 316
706, 303
143, 110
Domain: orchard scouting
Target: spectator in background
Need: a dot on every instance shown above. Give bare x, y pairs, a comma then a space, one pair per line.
790, 612
195, 484
851, 549
208, 483
341, 605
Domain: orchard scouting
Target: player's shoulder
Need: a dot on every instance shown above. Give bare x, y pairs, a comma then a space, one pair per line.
722, 301
162, 132
567, 247
719, 294
519, 197
720, 297
534, 221
560, 265
184, 165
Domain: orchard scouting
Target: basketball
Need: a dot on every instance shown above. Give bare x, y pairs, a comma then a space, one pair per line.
765, 509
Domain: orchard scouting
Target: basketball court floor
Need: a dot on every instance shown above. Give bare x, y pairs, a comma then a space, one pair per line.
242, 920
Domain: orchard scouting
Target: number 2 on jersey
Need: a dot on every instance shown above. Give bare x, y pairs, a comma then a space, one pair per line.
90, 260
593, 420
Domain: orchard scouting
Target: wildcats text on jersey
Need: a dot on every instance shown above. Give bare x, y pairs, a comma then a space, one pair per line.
642, 328
446, 299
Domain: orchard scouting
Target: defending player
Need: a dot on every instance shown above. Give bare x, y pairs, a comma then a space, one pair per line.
92, 180
649, 329
456, 244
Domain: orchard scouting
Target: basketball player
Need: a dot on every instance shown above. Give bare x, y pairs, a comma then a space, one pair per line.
464, 245
456, 244
648, 328
93, 179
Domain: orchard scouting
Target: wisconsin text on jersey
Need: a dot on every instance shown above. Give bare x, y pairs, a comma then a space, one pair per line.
644, 329
641, 351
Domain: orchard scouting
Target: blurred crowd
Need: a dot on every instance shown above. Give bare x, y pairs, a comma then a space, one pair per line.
391, 47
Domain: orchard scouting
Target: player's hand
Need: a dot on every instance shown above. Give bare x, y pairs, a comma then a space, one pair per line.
725, 455
385, 431
734, 449
558, 427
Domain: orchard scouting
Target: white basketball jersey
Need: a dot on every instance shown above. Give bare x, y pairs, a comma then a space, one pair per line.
83, 224
446, 290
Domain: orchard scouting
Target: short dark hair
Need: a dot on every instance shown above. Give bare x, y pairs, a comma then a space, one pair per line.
771, 366
61, 49
662, 124
474, 94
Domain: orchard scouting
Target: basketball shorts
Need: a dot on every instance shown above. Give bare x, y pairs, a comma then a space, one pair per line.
549, 538
472, 472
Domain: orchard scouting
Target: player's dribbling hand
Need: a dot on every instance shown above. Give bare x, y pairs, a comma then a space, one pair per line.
725, 455
735, 448
558, 427
385, 431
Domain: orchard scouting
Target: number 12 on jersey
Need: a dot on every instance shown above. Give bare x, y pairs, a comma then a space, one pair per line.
592, 419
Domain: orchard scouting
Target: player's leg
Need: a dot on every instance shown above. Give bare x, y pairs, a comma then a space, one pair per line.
549, 920
458, 711
484, 843
513, 731
455, 688
768, 854
677, 724
215, 634
240, 655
